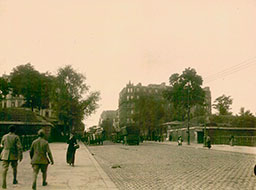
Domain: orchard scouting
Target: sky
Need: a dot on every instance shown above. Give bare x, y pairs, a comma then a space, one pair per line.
113, 42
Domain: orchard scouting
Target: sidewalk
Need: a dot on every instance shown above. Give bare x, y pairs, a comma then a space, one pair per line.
87, 174
240, 149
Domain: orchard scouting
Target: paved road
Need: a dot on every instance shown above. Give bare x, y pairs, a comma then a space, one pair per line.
165, 166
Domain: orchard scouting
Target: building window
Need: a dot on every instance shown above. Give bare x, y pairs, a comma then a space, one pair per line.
132, 111
19, 103
13, 104
131, 89
156, 90
128, 97
138, 97
131, 97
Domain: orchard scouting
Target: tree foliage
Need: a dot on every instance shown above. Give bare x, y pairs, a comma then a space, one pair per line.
149, 112
107, 125
185, 90
72, 99
222, 105
4, 87
35, 87
245, 118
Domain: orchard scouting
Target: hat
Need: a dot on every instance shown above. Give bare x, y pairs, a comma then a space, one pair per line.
12, 128
41, 133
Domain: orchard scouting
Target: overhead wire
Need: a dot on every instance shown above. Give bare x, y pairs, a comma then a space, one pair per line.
222, 74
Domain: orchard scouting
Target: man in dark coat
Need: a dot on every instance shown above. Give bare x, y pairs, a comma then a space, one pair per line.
40, 154
11, 153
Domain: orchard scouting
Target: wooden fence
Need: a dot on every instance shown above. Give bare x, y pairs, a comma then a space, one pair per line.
238, 140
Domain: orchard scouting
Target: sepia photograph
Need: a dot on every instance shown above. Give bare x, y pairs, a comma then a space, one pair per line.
128, 95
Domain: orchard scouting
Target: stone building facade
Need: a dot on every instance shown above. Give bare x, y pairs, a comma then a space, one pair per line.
126, 106
131, 92
18, 101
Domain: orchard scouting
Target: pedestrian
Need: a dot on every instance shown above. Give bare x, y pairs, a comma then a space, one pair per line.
40, 154
208, 142
231, 141
11, 153
180, 140
71, 151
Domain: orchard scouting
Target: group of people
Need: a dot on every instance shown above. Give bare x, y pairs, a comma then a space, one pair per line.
40, 155
207, 141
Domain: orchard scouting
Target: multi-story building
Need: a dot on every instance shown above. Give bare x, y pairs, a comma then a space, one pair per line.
12, 101
18, 101
132, 92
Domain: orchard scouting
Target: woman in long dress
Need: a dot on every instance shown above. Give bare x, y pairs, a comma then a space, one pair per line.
72, 143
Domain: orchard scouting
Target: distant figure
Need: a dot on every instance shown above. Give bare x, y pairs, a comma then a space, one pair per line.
231, 142
255, 170
40, 154
170, 137
72, 146
11, 153
180, 140
208, 142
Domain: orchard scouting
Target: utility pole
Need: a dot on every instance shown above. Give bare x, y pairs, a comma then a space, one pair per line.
188, 112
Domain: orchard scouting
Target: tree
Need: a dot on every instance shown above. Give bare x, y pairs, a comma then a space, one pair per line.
246, 118
69, 101
46, 87
222, 104
185, 92
4, 88
149, 113
107, 125
25, 80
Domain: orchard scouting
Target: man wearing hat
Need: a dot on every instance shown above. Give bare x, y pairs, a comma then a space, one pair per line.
40, 154
11, 153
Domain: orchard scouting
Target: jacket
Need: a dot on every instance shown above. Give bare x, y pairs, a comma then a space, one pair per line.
40, 152
12, 148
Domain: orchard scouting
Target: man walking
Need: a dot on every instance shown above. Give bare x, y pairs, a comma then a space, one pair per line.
40, 154
11, 153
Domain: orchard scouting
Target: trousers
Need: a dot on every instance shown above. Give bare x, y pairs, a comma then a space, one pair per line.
6, 163
36, 168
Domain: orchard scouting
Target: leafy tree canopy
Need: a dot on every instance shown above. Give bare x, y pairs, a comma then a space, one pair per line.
34, 86
149, 112
4, 87
185, 90
71, 98
222, 105
25, 81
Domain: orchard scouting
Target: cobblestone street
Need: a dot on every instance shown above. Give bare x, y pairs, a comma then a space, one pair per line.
160, 166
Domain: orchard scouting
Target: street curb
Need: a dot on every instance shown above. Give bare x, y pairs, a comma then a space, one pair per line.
103, 175
221, 148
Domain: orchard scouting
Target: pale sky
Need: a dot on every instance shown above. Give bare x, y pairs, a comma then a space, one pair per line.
114, 41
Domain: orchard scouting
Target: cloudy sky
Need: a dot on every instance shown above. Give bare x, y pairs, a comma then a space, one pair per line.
113, 42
